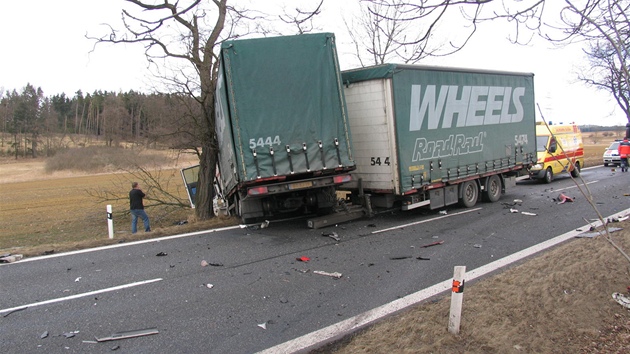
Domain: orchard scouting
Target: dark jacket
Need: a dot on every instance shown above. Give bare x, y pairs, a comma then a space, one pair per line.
135, 199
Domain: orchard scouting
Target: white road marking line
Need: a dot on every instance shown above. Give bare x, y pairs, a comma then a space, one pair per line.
80, 295
340, 329
561, 189
427, 220
30, 259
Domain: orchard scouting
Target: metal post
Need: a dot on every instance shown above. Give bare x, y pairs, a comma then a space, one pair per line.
457, 299
110, 221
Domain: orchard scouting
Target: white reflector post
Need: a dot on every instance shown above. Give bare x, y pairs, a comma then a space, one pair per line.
110, 221
457, 299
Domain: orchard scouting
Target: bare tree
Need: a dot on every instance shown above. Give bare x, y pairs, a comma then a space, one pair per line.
189, 32
603, 24
178, 31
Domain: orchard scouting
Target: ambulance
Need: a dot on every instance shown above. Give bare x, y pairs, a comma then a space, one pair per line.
559, 150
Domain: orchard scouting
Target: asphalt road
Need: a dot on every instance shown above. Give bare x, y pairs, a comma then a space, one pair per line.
260, 294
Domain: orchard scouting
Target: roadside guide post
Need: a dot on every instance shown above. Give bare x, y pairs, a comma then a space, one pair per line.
457, 299
110, 221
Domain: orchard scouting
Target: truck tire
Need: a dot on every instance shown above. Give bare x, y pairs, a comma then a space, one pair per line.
548, 177
576, 171
493, 189
470, 194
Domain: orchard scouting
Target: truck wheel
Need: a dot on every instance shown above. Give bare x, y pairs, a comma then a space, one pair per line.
576, 171
493, 189
548, 177
470, 194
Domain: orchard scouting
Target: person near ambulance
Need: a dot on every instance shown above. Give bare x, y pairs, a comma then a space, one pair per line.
624, 154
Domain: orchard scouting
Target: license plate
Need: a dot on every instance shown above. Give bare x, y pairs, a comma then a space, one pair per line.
300, 185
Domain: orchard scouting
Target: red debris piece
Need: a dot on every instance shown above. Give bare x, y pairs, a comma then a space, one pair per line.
563, 199
303, 259
433, 244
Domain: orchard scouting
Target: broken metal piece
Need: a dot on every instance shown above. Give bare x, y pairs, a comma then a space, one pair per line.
129, 334
336, 275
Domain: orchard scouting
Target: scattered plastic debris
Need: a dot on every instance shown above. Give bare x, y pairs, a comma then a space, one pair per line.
204, 263
10, 258
264, 224
336, 275
161, 254
129, 334
263, 325
332, 235
303, 259
476, 245
518, 201
44, 335
179, 223
209, 286
70, 334
513, 210
622, 299
433, 244
77, 279
116, 347
443, 212
528, 213
562, 198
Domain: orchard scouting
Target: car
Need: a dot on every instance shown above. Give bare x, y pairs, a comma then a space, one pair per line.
611, 155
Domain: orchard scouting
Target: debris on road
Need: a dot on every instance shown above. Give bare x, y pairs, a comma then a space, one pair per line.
622, 299
528, 213
44, 335
303, 259
399, 258
10, 258
432, 244
204, 263
129, 334
336, 275
161, 254
598, 233
423, 258
77, 279
443, 212
263, 325
209, 286
513, 210
70, 334
562, 198
476, 245
331, 234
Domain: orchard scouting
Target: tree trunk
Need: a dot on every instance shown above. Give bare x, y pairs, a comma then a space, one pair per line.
205, 189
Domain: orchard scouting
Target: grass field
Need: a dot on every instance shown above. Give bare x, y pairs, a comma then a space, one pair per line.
42, 212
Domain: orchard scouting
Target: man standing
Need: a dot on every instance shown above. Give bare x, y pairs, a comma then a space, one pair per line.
624, 154
137, 208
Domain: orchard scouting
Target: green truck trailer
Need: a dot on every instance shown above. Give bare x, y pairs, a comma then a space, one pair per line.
434, 136
282, 126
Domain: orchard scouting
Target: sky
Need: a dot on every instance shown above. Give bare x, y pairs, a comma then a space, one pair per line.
44, 43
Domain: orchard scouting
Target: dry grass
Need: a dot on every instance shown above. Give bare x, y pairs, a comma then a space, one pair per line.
558, 302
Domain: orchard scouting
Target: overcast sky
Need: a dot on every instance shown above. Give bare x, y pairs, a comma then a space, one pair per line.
43, 43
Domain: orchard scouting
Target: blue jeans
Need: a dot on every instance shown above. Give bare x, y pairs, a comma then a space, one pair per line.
139, 213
